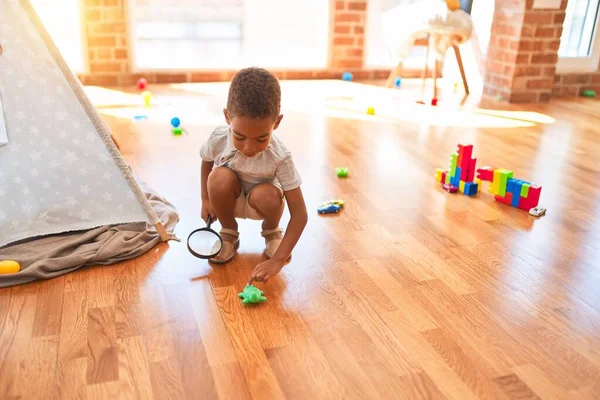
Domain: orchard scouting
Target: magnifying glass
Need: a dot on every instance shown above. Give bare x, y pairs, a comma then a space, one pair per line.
205, 243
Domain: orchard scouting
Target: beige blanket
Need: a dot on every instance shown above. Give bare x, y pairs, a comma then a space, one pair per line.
55, 255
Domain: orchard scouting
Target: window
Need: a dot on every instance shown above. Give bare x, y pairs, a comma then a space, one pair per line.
215, 34
579, 47
62, 20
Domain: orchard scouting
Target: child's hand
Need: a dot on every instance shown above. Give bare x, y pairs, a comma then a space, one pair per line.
265, 271
207, 209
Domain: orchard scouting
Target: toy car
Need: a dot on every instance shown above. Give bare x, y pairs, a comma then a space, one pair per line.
336, 202
537, 211
449, 188
329, 209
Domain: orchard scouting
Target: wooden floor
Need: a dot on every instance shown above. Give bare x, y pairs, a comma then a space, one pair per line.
409, 293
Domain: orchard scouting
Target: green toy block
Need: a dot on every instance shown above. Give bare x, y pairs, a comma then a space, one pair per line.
504, 175
525, 190
453, 160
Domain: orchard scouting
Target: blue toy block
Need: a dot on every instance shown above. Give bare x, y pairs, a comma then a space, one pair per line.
516, 193
510, 185
455, 180
471, 188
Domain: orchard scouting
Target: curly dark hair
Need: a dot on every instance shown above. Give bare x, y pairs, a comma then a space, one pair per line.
254, 93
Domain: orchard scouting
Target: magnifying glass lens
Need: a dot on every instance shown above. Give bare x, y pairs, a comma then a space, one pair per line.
205, 243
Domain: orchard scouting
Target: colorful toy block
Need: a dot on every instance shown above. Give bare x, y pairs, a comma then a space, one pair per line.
471, 188
438, 174
485, 174
504, 175
453, 160
455, 180
525, 189
471, 169
461, 186
532, 199
466, 152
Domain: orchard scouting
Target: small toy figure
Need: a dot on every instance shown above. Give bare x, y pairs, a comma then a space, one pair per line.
336, 202
329, 209
397, 81
252, 294
347, 76
142, 84
341, 172
9, 267
177, 131
371, 110
147, 96
588, 93
175, 122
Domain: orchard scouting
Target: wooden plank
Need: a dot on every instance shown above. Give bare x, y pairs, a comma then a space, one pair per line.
103, 352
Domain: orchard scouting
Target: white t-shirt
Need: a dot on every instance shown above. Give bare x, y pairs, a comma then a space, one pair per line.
273, 165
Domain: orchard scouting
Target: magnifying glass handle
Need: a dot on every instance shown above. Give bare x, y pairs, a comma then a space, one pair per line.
210, 221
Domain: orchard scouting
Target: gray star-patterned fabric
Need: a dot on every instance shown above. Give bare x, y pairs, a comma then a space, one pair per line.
3, 134
57, 172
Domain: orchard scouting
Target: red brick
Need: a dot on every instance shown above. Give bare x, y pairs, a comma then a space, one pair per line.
544, 58
505, 29
522, 59
349, 63
531, 45
526, 97
559, 17
123, 41
327, 74
577, 78
347, 17
544, 97
549, 71
111, 27
382, 73
171, 78
519, 83
596, 78
357, 5
500, 82
527, 31
545, 32
113, 14
342, 29
92, 15
361, 41
359, 29
104, 67
210, 77
300, 75
343, 40
97, 41
361, 74
557, 79
104, 53
552, 45
340, 5
528, 71
121, 54
339, 52
354, 52
544, 83
538, 17
92, 54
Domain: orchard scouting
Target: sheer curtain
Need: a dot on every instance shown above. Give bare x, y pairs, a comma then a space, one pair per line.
209, 34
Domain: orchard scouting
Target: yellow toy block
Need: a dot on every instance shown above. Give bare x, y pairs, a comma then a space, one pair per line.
478, 182
461, 186
495, 186
438, 174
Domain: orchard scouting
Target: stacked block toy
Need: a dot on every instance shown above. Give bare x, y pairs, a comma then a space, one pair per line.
461, 171
505, 188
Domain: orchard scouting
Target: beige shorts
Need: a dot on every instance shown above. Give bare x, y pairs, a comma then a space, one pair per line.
244, 210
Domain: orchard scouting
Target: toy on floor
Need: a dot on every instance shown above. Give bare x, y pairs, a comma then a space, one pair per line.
397, 81
347, 76
252, 294
329, 209
175, 122
177, 131
9, 267
137, 118
588, 93
336, 202
449, 188
341, 172
147, 96
506, 189
142, 83
371, 110
434, 102
537, 211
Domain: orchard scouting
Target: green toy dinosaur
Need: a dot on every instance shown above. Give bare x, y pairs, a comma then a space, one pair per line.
252, 294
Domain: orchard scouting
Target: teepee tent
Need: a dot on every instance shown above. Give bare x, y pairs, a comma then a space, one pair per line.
59, 169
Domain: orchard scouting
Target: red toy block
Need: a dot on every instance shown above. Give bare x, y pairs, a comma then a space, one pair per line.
443, 177
506, 199
471, 170
485, 174
467, 152
532, 199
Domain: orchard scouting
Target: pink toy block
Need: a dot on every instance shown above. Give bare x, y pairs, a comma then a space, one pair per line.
506, 199
443, 177
485, 174
471, 170
532, 199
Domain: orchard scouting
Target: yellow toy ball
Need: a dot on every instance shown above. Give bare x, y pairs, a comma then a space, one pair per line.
9, 267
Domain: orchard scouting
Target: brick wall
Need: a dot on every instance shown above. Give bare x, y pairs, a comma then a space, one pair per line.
573, 84
522, 54
109, 54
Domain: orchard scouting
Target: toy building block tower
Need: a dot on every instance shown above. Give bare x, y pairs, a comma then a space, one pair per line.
513, 192
461, 171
